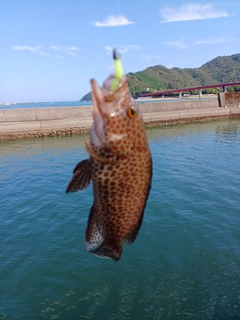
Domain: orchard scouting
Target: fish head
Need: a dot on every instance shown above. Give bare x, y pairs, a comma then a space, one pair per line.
116, 117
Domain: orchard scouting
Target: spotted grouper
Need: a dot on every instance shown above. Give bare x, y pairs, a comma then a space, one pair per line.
120, 167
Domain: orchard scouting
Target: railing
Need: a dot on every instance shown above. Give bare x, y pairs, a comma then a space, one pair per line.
219, 85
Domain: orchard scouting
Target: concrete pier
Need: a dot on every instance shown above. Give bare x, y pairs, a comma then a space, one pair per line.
37, 122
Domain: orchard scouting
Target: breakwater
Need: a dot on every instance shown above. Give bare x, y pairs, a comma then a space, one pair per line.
37, 122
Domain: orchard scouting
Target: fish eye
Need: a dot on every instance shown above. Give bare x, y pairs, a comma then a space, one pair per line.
132, 112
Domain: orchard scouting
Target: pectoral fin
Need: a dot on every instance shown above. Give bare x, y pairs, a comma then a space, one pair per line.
81, 176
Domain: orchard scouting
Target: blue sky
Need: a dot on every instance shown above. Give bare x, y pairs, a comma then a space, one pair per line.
49, 49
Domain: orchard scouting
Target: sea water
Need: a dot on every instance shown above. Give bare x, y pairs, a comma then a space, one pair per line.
185, 263
48, 104
59, 104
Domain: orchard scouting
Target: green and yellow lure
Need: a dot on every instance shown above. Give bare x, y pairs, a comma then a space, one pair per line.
118, 69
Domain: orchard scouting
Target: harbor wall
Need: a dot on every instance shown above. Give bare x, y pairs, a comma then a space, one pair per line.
64, 120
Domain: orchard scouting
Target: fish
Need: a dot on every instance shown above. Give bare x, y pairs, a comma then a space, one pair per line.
120, 168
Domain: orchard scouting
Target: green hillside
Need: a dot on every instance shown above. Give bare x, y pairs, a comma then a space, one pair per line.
160, 78
220, 69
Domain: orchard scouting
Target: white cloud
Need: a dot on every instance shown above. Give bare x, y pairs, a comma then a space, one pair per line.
56, 48
191, 11
125, 49
180, 44
44, 54
35, 49
113, 21
170, 66
72, 48
38, 50
109, 49
71, 53
111, 69
213, 41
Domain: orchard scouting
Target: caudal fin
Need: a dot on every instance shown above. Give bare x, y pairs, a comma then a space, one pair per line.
93, 235
109, 250
99, 243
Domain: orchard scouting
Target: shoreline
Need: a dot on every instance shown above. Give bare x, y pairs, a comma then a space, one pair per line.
43, 122
84, 130
87, 103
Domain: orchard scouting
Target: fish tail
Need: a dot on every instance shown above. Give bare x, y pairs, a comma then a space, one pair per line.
96, 243
108, 249
93, 235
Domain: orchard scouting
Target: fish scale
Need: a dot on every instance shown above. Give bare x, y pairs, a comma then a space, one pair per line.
120, 167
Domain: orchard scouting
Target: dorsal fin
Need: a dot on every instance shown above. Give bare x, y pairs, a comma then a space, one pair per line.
81, 176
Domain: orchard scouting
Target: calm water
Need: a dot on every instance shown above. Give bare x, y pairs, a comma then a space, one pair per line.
80, 103
46, 104
185, 264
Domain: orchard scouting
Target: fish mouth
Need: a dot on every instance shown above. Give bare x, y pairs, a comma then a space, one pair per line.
106, 104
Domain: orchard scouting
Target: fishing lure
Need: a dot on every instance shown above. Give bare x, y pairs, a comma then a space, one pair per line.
118, 69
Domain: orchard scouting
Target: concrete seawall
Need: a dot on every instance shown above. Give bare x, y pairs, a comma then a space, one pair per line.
35, 122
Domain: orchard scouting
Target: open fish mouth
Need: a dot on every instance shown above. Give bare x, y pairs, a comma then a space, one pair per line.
107, 104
